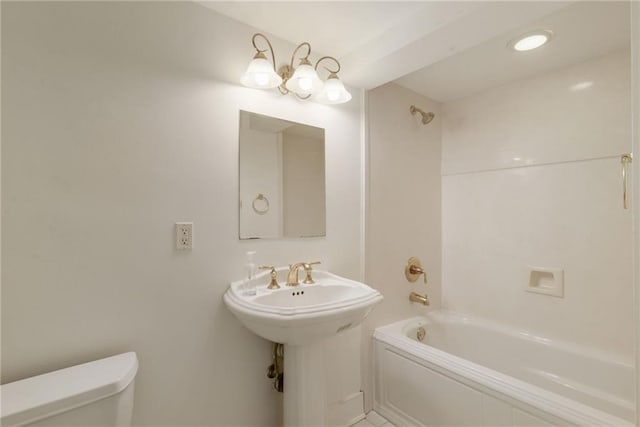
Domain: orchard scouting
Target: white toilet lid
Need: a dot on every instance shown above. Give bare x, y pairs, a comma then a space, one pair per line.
33, 398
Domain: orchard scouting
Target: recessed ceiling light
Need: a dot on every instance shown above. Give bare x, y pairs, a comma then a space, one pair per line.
531, 40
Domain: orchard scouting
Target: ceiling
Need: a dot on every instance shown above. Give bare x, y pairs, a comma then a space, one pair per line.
441, 49
581, 31
332, 28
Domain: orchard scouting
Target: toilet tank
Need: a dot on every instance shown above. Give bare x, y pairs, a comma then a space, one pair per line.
98, 393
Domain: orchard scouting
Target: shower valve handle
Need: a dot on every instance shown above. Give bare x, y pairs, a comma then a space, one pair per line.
414, 269
418, 270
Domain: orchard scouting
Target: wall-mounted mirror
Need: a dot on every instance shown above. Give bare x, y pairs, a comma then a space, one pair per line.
282, 178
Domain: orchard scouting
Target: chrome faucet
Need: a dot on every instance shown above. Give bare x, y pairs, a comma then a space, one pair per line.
292, 277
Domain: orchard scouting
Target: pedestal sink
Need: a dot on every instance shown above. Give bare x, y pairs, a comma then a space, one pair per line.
300, 317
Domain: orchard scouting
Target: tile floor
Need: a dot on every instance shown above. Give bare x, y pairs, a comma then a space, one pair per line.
373, 419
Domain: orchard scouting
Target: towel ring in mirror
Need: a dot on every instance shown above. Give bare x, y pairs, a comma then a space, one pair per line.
265, 208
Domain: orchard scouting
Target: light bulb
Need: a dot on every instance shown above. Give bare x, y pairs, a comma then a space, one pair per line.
333, 91
261, 79
304, 80
305, 84
333, 95
531, 40
260, 74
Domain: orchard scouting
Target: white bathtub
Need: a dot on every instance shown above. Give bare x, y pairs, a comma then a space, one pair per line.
470, 371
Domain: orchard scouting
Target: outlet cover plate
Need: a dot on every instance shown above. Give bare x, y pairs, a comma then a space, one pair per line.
184, 236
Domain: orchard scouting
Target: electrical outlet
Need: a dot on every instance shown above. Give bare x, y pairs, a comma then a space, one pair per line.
184, 235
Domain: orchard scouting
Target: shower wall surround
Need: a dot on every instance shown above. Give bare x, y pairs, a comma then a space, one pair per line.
531, 176
119, 119
403, 210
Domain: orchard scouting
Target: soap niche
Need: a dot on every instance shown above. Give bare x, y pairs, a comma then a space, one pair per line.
547, 281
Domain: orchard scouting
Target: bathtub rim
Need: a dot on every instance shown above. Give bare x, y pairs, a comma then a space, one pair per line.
499, 385
450, 316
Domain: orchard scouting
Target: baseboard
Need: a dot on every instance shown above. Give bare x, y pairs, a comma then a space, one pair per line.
347, 411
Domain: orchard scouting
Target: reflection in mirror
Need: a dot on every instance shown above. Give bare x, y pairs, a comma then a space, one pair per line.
282, 178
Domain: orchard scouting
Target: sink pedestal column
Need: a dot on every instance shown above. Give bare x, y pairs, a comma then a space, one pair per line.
304, 385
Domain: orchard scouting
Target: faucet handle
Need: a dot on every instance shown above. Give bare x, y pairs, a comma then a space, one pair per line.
273, 284
307, 268
414, 269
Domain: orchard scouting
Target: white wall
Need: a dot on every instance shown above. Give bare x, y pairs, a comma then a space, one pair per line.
117, 122
403, 209
532, 176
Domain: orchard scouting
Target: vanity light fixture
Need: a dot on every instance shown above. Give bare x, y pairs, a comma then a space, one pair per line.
531, 40
303, 81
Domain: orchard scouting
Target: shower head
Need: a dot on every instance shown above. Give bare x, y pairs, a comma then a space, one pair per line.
426, 117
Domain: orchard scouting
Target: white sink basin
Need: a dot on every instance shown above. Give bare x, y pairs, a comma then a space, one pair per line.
299, 315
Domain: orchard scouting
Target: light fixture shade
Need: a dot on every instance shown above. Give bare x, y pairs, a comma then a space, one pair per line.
333, 92
304, 81
260, 74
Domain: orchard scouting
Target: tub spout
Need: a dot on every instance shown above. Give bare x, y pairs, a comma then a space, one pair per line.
413, 297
